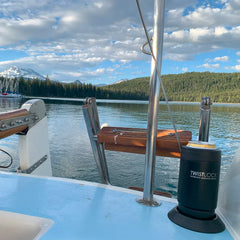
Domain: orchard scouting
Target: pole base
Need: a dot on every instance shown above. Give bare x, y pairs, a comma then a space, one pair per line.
214, 225
152, 203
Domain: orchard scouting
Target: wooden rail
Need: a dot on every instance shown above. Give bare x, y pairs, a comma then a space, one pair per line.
13, 116
133, 140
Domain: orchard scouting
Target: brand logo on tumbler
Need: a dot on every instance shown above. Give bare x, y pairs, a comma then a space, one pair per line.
203, 175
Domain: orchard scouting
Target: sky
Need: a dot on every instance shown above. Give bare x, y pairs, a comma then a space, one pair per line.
99, 41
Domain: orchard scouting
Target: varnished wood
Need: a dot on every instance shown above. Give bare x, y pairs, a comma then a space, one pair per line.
133, 140
12, 131
12, 115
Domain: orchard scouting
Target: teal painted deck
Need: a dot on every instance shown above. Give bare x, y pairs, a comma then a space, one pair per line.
82, 211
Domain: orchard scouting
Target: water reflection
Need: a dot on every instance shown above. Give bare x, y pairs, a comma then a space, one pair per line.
7, 104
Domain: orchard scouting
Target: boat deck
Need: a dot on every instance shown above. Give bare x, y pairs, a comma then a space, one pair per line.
83, 210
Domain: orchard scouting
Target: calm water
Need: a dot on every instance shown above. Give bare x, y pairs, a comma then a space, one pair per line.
72, 156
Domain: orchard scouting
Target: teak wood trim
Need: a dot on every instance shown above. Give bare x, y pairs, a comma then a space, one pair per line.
12, 115
133, 140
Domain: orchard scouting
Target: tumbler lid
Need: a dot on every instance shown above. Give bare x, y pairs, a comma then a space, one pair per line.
201, 144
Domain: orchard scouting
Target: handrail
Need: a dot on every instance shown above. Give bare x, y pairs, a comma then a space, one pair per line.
20, 120
93, 127
13, 122
13, 114
133, 140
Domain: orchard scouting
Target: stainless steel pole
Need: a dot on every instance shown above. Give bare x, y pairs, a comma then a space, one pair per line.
205, 112
154, 97
93, 126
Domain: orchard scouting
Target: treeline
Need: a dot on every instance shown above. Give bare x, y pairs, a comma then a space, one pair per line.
191, 87
221, 87
48, 88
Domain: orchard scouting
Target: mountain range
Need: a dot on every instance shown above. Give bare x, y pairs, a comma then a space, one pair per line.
28, 73
18, 72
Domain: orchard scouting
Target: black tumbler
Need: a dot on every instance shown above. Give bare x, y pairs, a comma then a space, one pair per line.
198, 189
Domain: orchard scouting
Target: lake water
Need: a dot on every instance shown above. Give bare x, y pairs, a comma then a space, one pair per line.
71, 152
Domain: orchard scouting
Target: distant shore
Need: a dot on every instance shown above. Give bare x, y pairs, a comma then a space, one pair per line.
125, 101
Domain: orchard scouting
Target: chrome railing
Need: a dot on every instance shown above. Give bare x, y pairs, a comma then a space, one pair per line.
205, 119
93, 126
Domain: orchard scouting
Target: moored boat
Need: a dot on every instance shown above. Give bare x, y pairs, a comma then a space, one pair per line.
10, 95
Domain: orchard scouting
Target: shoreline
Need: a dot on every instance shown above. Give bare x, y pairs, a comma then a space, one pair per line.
125, 101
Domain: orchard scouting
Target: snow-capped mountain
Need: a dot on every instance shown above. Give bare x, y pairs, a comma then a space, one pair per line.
24, 72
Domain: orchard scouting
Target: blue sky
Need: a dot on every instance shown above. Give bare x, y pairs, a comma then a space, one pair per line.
98, 41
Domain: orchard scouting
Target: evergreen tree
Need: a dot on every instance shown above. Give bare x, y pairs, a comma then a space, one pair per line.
221, 87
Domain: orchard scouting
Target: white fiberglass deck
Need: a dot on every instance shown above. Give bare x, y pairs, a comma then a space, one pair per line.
82, 210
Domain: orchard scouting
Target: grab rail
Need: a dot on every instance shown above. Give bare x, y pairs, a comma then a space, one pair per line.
93, 126
13, 122
20, 120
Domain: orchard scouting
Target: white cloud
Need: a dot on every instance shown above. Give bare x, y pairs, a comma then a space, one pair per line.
203, 29
185, 69
197, 34
99, 4
178, 57
77, 36
209, 66
206, 16
221, 59
74, 74
236, 67
220, 31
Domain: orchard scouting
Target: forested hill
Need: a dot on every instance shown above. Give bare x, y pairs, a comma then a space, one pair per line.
221, 87
191, 87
